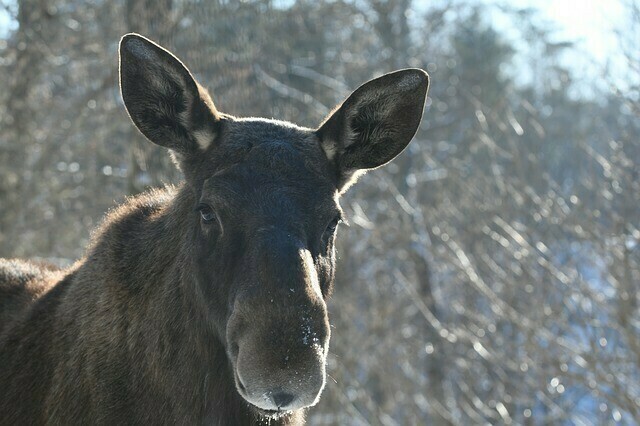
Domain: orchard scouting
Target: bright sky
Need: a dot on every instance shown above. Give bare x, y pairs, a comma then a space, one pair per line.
590, 23
4, 22
592, 26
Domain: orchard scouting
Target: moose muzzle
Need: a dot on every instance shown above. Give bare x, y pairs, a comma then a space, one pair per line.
278, 332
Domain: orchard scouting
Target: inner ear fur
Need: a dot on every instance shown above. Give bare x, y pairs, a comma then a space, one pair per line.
375, 123
163, 99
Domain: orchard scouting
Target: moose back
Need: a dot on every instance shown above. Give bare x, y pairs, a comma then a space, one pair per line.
204, 302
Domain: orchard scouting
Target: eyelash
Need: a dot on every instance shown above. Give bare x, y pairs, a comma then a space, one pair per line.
331, 227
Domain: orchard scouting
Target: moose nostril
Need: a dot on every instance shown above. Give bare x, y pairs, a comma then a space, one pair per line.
282, 399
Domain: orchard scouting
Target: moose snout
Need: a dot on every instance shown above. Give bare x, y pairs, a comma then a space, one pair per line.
280, 388
278, 331
278, 352
281, 368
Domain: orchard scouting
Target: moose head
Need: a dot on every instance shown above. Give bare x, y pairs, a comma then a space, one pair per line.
265, 210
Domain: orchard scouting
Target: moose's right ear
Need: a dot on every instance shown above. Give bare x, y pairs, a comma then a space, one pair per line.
163, 99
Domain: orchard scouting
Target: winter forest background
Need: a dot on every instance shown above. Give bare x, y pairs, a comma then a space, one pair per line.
490, 274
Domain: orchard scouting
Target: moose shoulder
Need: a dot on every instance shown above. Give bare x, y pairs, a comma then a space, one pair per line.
205, 302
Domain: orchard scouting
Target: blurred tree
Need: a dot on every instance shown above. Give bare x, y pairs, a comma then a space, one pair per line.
25, 59
489, 274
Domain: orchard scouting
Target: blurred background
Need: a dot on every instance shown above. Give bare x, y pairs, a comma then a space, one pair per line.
490, 274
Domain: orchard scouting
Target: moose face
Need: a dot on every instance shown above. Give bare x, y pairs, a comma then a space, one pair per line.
265, 233
265, 214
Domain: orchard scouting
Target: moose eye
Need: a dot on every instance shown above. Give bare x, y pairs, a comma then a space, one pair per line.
206, 213
331, 228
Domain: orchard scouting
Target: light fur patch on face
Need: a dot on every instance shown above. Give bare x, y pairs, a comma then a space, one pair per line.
310, 271
203, 137
330, 149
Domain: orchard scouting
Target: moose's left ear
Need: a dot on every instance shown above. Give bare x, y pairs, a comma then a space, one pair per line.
375, 123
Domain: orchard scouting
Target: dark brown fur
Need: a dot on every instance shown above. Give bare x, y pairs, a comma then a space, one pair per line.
176, 318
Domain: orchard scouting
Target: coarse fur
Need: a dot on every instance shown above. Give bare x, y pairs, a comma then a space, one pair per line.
202, 303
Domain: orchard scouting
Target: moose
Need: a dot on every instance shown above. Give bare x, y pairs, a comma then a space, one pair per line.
204, 302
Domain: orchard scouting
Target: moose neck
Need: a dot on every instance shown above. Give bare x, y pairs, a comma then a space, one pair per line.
145, 248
